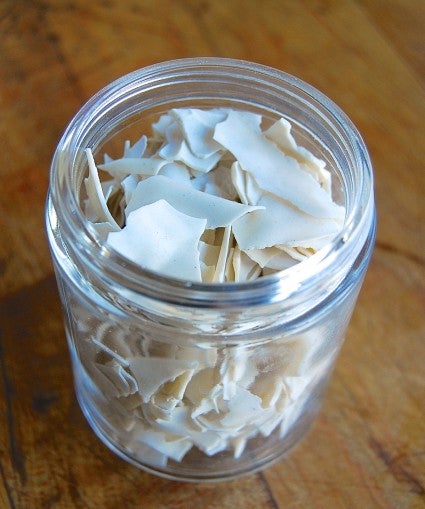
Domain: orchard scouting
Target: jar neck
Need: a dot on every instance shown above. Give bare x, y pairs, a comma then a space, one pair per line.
296, 288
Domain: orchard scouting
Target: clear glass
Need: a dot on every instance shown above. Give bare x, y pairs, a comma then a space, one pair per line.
203, 382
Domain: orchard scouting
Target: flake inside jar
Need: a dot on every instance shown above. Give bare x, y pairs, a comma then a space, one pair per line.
219, 165
210, 197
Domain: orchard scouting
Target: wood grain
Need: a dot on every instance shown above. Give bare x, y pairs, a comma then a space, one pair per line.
367, 448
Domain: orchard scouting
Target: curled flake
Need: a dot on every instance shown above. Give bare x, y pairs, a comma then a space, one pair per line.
209, 253
236, 370
181, 424
223, 256
274, 171
145, 166
171, 393
269, 388
124, 384
280, 134
238, 179
121, 360
293, 252
202, 385
95, 194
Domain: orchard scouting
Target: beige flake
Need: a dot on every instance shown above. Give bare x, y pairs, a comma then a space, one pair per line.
278, 223
217, 211
95, 194
198, 128
274, 171
152, 373
160, 238
280, 133
144, 166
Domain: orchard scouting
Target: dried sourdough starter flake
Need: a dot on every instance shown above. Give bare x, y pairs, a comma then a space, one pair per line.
218, 211
273, 170
149, 239
211, 196
271, 197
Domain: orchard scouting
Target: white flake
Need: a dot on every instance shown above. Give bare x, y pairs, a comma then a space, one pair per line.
236, 370
176, 171
146, 166
103, 229
201, 385
279, 223
177, 149
217, 182
171, 392
272, 169
123, 383
271, 257
268, 387
159, 127
151, 373
95, 194
270, 423
217, 211
101, 378
244, 407
280, 133
172, 447
110, 352
222, 257
244, 267
151, 456
137, 150
208, 254
181, 424
160, 238
198, 129
128, 185
205, 357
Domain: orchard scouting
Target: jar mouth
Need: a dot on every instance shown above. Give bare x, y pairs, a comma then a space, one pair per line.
203, 81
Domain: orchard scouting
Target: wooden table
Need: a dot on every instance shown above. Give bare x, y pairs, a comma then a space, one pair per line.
367, 448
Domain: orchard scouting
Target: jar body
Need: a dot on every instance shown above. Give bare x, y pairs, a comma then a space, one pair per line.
278, 378
191, 388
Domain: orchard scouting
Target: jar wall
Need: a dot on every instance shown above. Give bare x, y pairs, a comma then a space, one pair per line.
190, 381
221, 406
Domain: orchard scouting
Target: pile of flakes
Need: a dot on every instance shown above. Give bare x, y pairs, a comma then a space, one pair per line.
211, 197
168, 398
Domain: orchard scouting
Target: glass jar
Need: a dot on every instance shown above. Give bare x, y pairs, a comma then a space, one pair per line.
205, 382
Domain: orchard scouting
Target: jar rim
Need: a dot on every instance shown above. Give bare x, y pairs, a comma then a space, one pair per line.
303, 276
